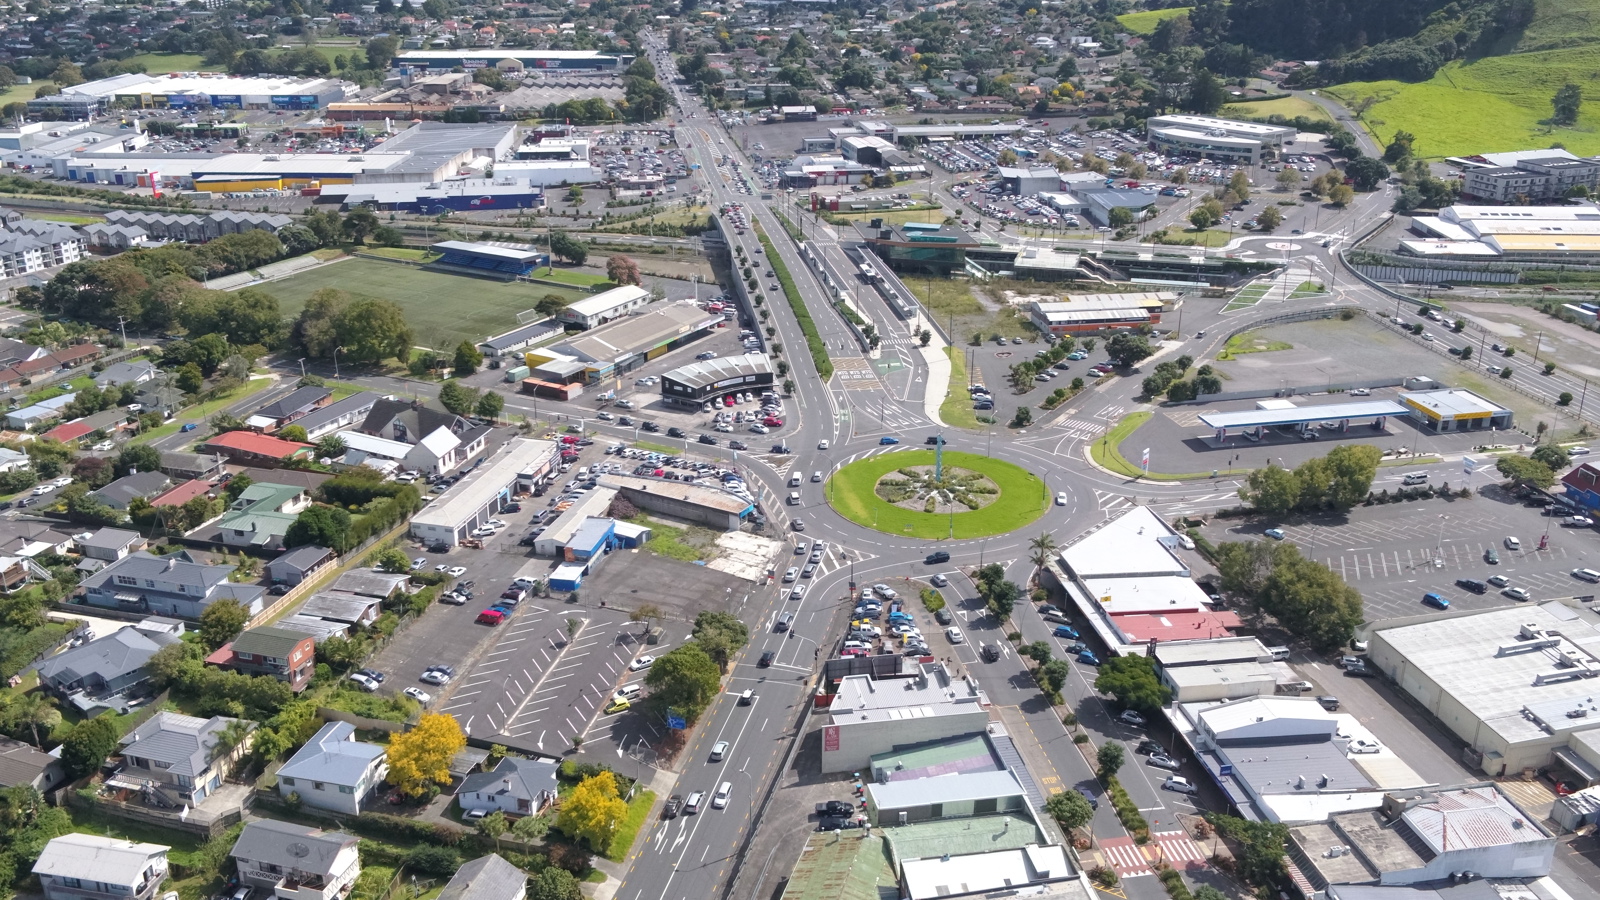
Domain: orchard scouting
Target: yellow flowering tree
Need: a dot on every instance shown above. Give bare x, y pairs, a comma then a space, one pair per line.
591, 812
420, 758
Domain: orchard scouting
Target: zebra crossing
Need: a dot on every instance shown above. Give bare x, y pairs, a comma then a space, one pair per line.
1172, 848
1083, 431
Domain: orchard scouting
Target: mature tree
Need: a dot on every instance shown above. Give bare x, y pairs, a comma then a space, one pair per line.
1069, 809
1289, 178
1109, 758
222, 621
490, 405
1366, 173
372, 330
1245, 566
331, 447
458, 398
685, 679
591, 812
325, 526
67, 74
720, 635
1128, 348
1312, 601
190, 380
1261, 852
1132, 680
649, 612
622, 270
569, 248
381, 51
87, 745
1341, 194
392, 560
468, 359
419, 759
1400, 149
1204, 216
1553, 457
553, 882
1523, 470
138, 458
359, 223
493, 826
1271, 490
1119, 217
1269, 219
1566, 102
531, 828
293, 433
1206, 93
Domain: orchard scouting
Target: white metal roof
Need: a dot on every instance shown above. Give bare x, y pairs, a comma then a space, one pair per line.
1250, 418
474, 492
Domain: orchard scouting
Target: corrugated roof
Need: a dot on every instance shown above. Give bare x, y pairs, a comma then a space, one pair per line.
1469, 818
944, 789
96, 858
333, 755
486, 878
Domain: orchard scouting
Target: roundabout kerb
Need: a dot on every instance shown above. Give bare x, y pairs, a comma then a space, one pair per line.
852, 492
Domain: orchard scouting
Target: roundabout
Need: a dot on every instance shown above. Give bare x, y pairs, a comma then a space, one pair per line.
912, 494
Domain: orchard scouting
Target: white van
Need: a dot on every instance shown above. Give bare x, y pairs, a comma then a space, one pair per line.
794, 498
795, 479
1588, 575
1279, 654
720, 801
628, 692
1415, 478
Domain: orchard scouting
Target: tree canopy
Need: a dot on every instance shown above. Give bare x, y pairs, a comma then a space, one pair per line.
591, 812
419, 759
1133, 681
686, 679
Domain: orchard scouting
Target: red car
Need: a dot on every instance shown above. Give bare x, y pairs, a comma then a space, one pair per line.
569, 439
772, 422
491, 617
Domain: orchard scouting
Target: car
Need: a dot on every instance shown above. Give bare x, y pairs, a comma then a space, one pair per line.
673, 806
1518, 594
747, 697
692, 805
418, 694
420, 562
1329, 703
719, 750
816, 476
886, 440
1088, 658
63, 481
1364, 746
1149, 746
456, 571
988, 652
822, 445
707, 439
1360, 392
836, 823
798, 525
616, 706
374, 674
939, 580
1578, 522
1499, 580
1435, 601
809, 570
1163, 761
1578, 451
491, 616
936, 557
955, 636
798, 592
1471, 584
642, 662
1513, 543
766, 659
943, 616
1065, 631
1129, 717
1179, 785
362, 681
1061, 498
791, 573
1491, 556
1274, 533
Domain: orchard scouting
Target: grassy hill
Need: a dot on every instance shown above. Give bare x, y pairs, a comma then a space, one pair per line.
1145, 22
1497, 102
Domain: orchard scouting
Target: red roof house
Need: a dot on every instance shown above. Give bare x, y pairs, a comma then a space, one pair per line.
68, 432
247, 446
183, 493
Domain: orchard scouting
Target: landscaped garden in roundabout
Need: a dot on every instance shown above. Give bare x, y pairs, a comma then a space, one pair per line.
911, 493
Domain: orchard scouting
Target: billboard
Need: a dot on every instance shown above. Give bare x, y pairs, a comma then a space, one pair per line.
294, 101
227, 101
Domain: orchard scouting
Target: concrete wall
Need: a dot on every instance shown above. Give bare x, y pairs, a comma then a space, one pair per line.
856, 743
682, 509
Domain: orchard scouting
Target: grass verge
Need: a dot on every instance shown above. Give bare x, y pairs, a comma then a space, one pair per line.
1288, 107
685, 544
199, 412
819, 350
1145, 22
628, 831
851, 492
415, 254
956, 410
1240, 344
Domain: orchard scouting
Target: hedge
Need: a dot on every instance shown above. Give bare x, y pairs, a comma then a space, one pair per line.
819, 350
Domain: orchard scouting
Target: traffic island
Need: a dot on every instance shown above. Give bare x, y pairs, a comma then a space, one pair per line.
914, 494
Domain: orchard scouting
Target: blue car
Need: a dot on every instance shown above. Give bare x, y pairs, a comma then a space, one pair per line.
1066, 631
1435, 601
1088, 658
1275, 533
885, 441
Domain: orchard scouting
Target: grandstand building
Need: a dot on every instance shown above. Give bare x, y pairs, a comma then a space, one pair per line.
489, 259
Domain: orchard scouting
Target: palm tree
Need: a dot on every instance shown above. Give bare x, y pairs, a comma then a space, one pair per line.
231, 736
34, 709
1043, 547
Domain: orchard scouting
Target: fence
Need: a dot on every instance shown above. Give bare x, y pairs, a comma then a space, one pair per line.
194, 821
1420, 275
339, 715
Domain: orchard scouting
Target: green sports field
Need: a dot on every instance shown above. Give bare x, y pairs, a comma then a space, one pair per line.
1146, 22
1023, 498
443, 309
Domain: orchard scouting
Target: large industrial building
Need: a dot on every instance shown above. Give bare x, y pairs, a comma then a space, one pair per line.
508, 60
592, 312
1090, 313
197, 90
1212, 138
619, 347
1567, 233
485, 491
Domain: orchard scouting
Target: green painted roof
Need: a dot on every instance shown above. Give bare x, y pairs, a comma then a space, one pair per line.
978, 834
937, 753
267, 496
848, 866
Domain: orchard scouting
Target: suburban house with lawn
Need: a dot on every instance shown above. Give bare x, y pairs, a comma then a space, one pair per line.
441, 441
174, 760
289, 656
249, 448
121, 493
110, 544
284, 410
520, 787
91, 867
259, 518
25, 764
325, 420
172, 585
486, 878
106, 673
295, 862
334, 771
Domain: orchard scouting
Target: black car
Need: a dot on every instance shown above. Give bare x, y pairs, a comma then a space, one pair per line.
1094, 802
938, 556
943, 616
650, 427
836, 808
707, 439
989, 652
1477, 587
832, 823
766, 659
374, 674
1148, 746
780, 448
673, 807
278, 590
676, 432
932, 440
439, 547
738, 445
625, 421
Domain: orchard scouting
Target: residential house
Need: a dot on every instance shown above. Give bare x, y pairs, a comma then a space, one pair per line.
34, 537
521, 787
326, 420
173, 585
159, 395
105, 673
207, 466
121, 493
381, 585
288, 408
342, 606
260, 517
16, 571
289, 656
13, 460
70, 432
43, 411
334, 771
59, 244
91, 867
24, 764
110, 544
295, 862
118, 374
441, 441
180, 494
257, 449
487, 878
299, 564
176, 760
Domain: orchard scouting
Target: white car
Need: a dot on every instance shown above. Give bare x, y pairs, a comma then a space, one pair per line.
1513, 543
642, 662
418, 563
442, 567
365, 683
1061, 498
955, 635
456, 571
1360, 392
496, 524
1361, 746
102, 447
63, 481
43, 489
822, 445
419, 695
433, 676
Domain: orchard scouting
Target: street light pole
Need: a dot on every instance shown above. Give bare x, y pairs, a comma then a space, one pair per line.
336, 361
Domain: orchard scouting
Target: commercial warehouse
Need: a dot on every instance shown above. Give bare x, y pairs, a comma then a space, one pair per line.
1567, 233
691, 385
1213, 138
709, 506
460, 195
476, 498
870, 716
513, 60
621, 346
192, 90
592, 312
1088, 313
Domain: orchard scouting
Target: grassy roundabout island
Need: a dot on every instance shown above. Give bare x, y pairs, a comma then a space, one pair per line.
978, 495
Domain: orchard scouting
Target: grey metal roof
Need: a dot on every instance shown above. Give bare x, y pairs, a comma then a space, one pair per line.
96, 858
268, 640
293, 402
125, 489
110, 538
525, 779
710, 371
291, 846
1297, 768
370, 584
945, 789
143, 564
340, 606
185, 742
332, 755
1250, 418
21, 763
486, 878
302, 558
362, 400
110, 657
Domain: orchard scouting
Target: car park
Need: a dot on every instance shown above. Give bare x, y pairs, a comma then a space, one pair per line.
1179, 784
1129, 717
1163, 761
1436, 601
